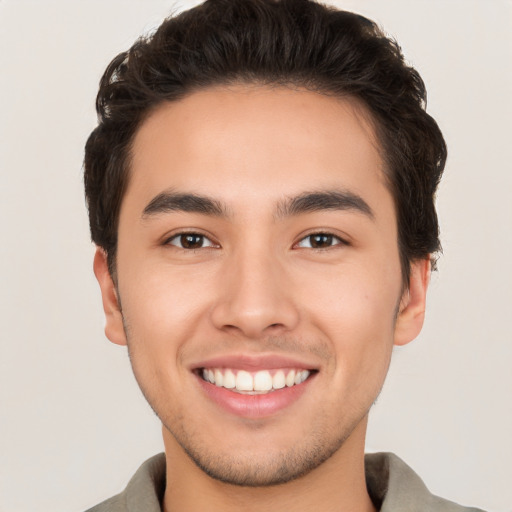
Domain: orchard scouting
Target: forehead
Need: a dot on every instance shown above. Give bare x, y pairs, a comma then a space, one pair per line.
249, 145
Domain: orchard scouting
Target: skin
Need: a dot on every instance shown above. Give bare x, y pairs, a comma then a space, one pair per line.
257, 286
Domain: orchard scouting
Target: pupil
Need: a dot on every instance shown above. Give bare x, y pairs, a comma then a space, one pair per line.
319, 241
191, 241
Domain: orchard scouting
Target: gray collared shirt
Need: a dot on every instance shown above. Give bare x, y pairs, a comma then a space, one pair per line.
392, 485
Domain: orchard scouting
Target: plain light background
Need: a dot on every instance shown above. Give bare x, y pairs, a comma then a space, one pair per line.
73, 423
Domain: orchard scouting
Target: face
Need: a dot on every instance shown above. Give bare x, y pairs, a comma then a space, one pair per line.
259, 286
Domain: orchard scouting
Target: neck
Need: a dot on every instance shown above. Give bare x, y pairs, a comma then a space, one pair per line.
337, 484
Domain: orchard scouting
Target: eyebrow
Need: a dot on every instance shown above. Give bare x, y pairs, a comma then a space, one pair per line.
306, 202
324, 200
166, 202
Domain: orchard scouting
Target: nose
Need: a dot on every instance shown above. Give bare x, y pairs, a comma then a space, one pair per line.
255, 297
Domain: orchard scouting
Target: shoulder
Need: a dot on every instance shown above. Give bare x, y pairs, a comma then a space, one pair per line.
115, 504
397, 488
143, 492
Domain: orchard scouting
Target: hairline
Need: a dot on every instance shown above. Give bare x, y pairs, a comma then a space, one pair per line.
358, 104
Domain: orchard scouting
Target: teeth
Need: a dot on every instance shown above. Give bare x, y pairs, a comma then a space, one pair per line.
304, 374
279, 381
301, 376
219, 378
262, 381
229, 380
244, 381
290, 379
259, 382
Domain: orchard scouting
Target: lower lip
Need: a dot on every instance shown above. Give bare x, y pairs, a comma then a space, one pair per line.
254, 406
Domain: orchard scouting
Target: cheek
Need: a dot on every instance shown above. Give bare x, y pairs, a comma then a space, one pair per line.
162, 313
361, 330
354, 301
356, 313
162, 310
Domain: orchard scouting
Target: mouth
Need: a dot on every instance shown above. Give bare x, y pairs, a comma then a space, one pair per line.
255, 387
254, 382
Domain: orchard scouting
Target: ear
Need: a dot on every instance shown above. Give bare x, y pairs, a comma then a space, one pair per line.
114, 328
411, 313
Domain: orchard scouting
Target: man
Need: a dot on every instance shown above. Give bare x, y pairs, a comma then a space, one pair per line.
261, 192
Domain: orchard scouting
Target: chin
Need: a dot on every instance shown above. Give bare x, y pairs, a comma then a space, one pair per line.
267, 470
248, 462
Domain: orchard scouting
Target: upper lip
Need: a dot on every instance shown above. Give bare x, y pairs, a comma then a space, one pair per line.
254, 362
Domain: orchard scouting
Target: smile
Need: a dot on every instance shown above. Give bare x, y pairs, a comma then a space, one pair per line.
255, 386
253, 383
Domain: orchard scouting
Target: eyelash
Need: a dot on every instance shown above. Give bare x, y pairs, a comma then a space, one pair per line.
331, 237
326, 235
183, 235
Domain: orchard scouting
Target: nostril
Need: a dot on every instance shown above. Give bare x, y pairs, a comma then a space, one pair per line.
254, 315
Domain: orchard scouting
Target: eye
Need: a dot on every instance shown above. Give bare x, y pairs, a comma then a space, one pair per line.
190, 241
320, 241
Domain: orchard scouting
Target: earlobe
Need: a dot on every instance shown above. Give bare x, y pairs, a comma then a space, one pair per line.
411, 313
114, 329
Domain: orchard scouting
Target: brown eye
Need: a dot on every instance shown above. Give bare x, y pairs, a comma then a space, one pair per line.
190, 241
320, 241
